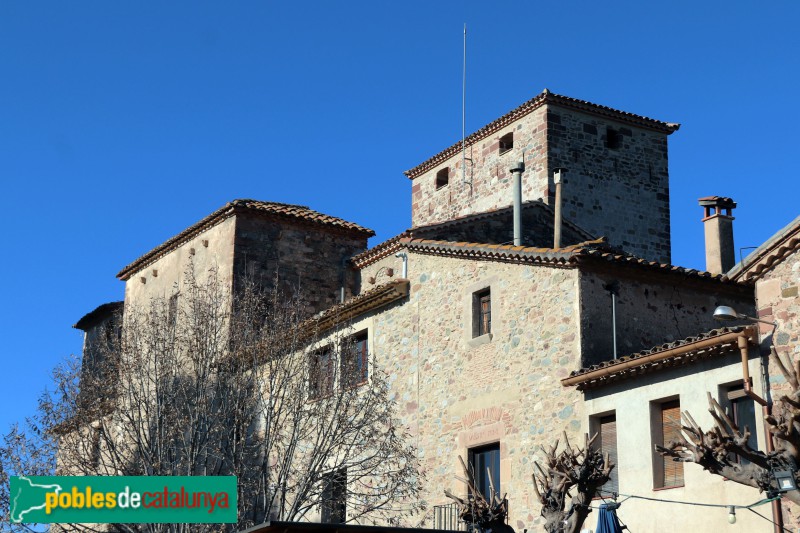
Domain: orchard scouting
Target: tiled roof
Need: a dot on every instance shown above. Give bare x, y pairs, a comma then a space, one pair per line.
492, 213
295, 213
769, 254
357, 305
497, 252
677, 353
99, 313
545, 97
378, 252
588, 252
390, 246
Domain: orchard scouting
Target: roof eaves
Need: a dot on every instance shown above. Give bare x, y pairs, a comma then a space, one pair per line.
763, 258
537, 101
667, 355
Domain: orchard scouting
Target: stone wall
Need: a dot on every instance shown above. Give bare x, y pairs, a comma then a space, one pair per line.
497, 227
305, 259
649, 310
621, 193
455, 392
213, 248
777, 301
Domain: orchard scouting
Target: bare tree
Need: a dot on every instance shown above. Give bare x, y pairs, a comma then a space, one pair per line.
583, 470
209, 383
724, 449
484, 515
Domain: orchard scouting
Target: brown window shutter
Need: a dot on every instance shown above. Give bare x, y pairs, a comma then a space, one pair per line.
608, 445
671, 429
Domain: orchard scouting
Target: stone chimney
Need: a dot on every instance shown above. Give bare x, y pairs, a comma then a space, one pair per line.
720, 254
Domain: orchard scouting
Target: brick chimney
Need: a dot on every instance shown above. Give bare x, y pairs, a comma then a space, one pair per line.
720, 254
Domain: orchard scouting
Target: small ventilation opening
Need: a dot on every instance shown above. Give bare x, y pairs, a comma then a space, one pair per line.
506, 142
442, 178
613, 139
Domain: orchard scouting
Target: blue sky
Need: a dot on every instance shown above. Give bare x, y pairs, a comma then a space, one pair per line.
122, 123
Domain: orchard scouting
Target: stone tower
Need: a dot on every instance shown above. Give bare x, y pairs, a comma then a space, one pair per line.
617, 183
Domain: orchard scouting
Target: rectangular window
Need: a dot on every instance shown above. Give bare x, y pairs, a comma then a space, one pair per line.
442, 178
172, 310
743, 414
320, 374
506, 142
607, 443
481, 313
613, 139
668, 473
485, 463
334, 497
355, 361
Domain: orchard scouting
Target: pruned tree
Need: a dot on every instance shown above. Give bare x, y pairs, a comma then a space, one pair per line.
484, 515
580, 470
725, 450
210, 383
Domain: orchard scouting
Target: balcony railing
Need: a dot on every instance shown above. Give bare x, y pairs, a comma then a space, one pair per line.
446, 517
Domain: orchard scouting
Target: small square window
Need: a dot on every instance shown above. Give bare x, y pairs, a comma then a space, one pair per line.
506, 142
613, 139
442, 178
355, 361
481, 313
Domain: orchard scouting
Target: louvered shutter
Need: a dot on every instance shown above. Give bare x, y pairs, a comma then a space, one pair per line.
671, 430
608, 445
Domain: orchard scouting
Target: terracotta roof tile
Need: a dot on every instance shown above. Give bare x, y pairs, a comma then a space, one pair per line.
99, 313
295, 213
726, 344
545, 97
772, 252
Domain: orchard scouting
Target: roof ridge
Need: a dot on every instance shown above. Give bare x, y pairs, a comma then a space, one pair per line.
298, 213
534, 103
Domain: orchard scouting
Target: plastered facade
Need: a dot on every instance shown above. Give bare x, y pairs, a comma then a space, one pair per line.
634, 402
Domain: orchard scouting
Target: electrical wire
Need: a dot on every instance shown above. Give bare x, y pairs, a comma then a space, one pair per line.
768, 520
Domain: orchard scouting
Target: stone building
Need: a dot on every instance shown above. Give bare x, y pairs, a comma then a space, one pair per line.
774, 269
478, 335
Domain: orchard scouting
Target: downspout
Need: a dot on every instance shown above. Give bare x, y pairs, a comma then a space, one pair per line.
517, 171
342, 289
777, 513
557, 208
404, 257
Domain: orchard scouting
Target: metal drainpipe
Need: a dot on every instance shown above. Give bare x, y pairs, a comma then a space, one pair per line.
404, 257
557, 222
743, 344
517, 171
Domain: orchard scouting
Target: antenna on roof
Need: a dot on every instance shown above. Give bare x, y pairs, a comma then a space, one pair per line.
464, 114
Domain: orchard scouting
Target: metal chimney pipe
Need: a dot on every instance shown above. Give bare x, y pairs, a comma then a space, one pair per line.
517, 171
557, 222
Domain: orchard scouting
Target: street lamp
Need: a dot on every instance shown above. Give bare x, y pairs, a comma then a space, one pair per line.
725, 313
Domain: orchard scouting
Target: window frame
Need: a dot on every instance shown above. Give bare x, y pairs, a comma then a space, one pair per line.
480, 478
358, 356
734, 396
663, 430
597, 424
506, 143
321, 373
442, 178
482, 312
334, 507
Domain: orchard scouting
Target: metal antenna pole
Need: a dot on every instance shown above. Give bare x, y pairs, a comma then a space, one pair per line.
464, 111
